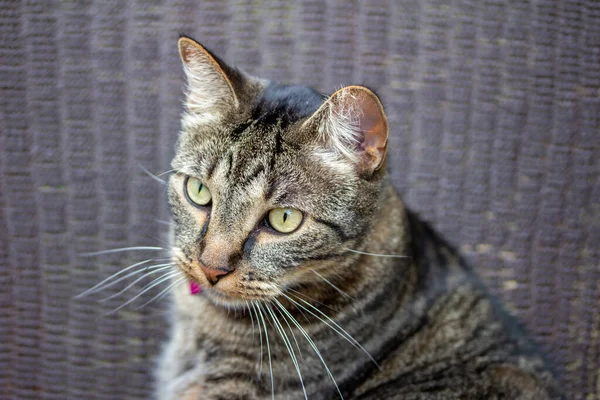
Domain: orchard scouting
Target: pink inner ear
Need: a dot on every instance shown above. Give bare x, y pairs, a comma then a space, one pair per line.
373, 124
373, 128
195, 288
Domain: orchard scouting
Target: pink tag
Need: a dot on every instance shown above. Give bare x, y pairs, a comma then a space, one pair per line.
195, 288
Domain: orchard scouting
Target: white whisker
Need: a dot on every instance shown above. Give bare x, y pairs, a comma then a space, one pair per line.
261, 342
163, 222
97, 287
304, 315
333, 286
336, 327
288, 345
291, 330
163, 292
304, 296
268, 352
119, 250
311, 298
151, 175
251, 317
311, 343
166, 172
152, 271
162, 279
378, 255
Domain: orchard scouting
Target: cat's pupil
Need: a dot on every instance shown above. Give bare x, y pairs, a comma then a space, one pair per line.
200, 188
285, 216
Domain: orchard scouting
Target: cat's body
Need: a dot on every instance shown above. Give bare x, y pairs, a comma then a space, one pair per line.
284, 313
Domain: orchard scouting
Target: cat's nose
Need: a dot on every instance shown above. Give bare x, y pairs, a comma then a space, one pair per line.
214, 274
217, 258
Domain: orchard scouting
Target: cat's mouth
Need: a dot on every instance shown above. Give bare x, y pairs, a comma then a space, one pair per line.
234, 290
225, 298
226, 293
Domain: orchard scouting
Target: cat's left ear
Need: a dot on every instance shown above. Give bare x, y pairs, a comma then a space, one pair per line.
353, 124
211, 94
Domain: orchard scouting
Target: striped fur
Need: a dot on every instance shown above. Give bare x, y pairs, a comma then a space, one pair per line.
306, 315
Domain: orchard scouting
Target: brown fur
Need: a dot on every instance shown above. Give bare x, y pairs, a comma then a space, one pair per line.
426, 327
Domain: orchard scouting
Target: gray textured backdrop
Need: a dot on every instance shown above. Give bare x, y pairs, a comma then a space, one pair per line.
495, 113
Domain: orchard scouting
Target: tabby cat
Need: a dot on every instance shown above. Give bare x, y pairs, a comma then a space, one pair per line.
308, 277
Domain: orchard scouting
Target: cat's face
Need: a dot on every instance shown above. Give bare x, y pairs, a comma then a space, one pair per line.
273, 183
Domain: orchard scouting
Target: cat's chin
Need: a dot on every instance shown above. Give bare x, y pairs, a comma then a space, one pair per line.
226, 300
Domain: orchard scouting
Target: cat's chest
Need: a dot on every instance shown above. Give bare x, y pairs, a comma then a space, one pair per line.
271, 360
264, 358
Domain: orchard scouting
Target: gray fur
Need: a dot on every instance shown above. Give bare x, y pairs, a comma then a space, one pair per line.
420, 327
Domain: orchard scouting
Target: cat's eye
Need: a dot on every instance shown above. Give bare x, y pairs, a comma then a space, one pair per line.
285, 220
196, 192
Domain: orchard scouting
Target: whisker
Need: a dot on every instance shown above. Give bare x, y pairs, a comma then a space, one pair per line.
181, 280
151, 175
119, 250
251, 317
107, 285
311, 343
311, 298
157, 269
163, 222
362, 317
268, 352
333, 286
336, 327
261, 343
291, 330
303, 315
163, 292
167, 172
98, 285
288, 345
162, 279
158, 239
378, 255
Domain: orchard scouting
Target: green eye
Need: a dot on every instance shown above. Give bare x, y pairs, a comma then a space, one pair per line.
285, 220
197, 192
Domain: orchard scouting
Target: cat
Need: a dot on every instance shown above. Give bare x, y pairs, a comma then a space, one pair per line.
308, 276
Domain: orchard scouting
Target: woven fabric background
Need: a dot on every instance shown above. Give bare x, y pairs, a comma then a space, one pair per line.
494, 107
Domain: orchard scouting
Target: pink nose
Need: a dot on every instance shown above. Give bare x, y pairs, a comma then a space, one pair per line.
213, 274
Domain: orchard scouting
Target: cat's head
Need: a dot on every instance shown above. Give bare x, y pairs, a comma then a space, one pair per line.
273, 182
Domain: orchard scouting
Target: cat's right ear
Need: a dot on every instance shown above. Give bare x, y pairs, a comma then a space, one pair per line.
210, 94
352, 123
